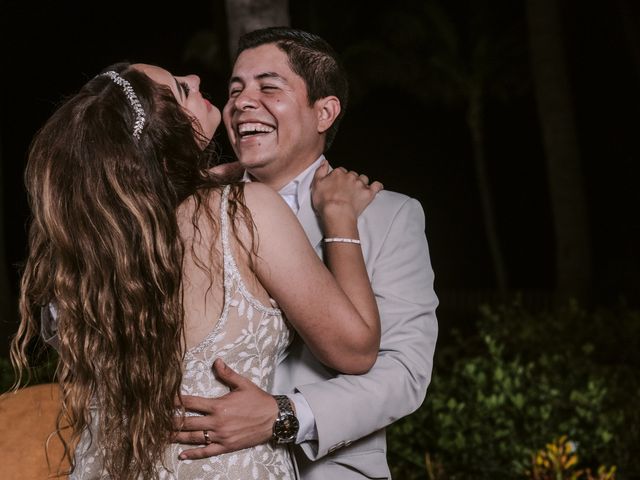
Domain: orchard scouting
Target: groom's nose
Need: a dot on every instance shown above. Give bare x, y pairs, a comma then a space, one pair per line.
245, 100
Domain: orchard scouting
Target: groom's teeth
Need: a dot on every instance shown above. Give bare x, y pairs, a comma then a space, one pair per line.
254, 128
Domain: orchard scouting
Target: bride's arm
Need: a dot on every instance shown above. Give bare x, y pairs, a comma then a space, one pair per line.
336, 316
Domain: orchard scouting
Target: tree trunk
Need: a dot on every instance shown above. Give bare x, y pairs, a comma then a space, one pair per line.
630, 26
555, 110
246, 15
475, 122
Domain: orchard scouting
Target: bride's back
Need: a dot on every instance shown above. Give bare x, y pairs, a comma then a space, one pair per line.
203, 267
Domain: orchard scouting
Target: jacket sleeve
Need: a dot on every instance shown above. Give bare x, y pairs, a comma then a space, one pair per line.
349, 407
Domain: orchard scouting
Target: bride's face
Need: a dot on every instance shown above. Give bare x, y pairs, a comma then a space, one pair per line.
187, 92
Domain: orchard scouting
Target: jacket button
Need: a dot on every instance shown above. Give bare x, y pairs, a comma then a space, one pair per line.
336, 447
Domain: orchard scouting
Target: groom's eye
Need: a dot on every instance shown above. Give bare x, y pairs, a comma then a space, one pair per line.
185, 88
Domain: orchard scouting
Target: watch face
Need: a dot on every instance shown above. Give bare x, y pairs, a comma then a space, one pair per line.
286, 428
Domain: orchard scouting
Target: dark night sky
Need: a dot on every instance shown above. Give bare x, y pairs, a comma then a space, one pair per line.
420, 148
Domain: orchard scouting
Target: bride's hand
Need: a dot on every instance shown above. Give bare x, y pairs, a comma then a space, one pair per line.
341, 192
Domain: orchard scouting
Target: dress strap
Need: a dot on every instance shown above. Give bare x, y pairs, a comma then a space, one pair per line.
224, 226
230, 270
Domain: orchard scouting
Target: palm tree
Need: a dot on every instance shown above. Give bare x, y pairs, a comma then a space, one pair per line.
465, 68
555, 110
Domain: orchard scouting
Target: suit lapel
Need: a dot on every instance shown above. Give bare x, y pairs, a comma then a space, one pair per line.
309, 221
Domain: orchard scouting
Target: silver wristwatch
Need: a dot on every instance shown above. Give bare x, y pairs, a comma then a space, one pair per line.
285, 428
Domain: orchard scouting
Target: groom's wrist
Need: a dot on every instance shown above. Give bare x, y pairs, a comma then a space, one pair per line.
285, 426
307, 423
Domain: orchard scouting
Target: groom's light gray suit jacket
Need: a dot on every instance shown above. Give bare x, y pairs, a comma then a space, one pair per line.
352, 407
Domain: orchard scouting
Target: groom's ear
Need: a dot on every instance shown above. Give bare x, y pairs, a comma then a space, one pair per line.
328, 109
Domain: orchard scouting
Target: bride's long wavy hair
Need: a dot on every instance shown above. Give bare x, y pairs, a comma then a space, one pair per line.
105, 249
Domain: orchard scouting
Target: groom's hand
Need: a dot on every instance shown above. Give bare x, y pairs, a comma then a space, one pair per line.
240, 419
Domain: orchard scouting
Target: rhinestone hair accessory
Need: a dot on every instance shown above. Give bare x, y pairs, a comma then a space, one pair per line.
133, 100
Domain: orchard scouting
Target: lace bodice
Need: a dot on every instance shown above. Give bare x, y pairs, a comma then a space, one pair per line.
250, 337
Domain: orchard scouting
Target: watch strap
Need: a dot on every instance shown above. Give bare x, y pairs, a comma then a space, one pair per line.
285, 427
284, 404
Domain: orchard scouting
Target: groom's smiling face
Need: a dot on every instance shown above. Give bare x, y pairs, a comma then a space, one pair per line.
271, 125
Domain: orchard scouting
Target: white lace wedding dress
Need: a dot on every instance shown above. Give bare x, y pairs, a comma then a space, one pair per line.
250, 337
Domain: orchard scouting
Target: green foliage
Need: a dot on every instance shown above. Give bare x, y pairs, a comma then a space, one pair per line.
519, 381
42, 371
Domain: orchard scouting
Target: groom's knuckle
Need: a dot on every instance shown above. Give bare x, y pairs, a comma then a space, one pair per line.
214, 411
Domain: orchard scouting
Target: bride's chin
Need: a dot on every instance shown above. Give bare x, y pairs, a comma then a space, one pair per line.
203, 139
204, 143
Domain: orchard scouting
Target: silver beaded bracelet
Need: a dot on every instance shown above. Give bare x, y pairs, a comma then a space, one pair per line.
341, 240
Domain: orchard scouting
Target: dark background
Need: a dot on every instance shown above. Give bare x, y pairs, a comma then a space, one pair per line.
396, 130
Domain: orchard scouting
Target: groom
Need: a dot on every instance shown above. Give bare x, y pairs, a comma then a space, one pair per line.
287, 94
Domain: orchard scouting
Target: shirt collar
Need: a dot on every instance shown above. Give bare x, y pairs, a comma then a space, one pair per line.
306, 177
296, 190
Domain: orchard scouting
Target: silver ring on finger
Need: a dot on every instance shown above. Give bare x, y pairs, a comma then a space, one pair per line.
207, 438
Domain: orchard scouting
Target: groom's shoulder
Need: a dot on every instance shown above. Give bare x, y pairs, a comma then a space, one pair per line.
388, 203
